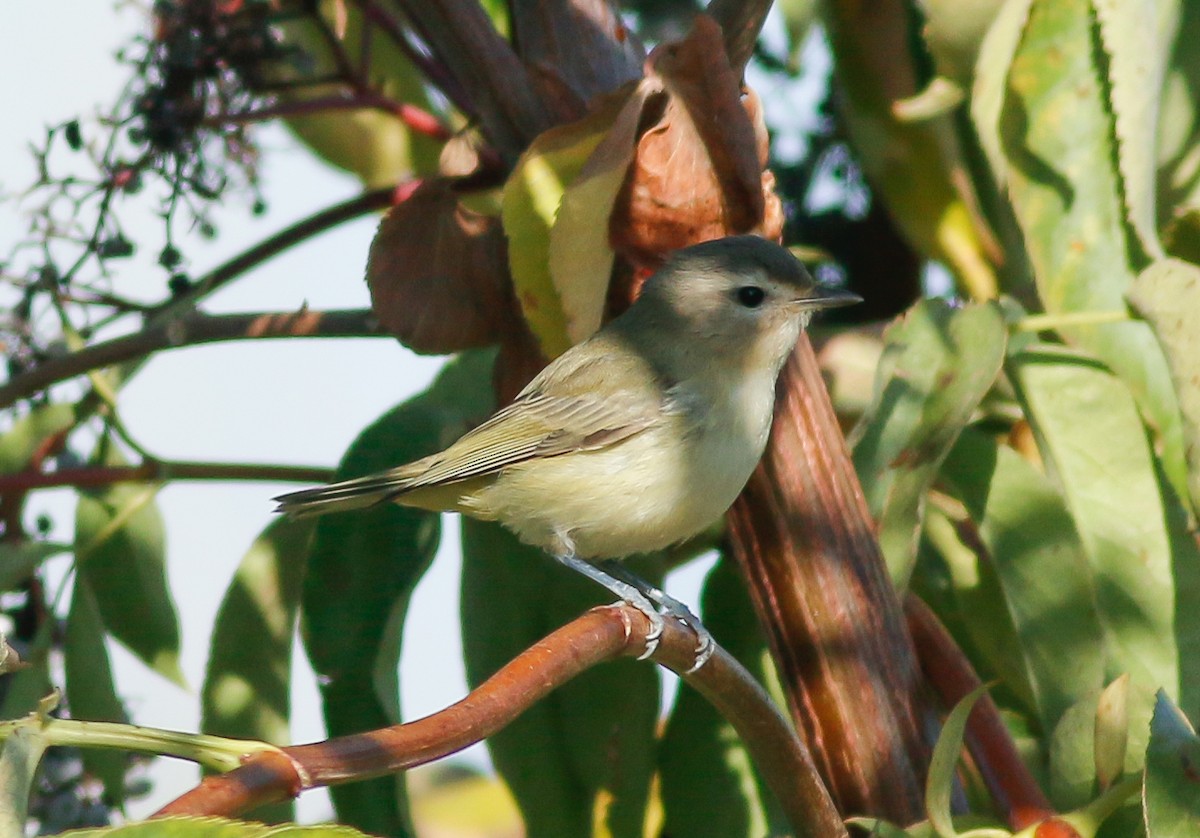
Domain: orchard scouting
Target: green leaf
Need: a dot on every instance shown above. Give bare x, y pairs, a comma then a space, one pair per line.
371, 143
1167, 294
1031, 541
939, 785
1171, 796
363, 567
570, 174
937, 365
19, 758
21, 441
585, 753
25, 688
1059, 142
1135, 56
917, 168
979, 608
91, 693
990, 87
247, 685
1179, 129
188, 826
120, 551
1077, 746
709, 785
18, 560
580, 258
1094, 444
1112, 731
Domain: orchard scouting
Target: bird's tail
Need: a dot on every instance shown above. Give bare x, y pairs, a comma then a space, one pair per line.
359, 493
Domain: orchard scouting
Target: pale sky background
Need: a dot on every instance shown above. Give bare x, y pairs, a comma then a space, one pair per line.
276, 401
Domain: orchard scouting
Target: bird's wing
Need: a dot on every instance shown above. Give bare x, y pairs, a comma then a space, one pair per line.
536, 425
559, 412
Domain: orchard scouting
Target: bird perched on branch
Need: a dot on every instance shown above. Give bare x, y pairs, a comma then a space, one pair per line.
635, 439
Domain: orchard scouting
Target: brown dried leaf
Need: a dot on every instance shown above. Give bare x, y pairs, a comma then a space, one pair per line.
698, 171
438, 273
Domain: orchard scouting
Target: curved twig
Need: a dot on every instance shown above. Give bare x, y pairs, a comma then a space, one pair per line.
599, 635
191, 329
1015, 793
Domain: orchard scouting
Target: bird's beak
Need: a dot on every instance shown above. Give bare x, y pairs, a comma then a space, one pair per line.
823, 298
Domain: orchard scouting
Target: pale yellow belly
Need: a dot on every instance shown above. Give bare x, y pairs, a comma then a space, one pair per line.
645, 493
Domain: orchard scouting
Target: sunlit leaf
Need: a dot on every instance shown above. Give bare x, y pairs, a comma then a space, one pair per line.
938, 363
580, 256
1135, 57
120, 550
1057, 137
1094, 444
532, 200
1171, 796
363, 566
1112, 731
91, 693
587, 746
1167, 294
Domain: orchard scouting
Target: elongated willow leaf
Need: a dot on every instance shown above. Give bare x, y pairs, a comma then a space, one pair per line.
362, 569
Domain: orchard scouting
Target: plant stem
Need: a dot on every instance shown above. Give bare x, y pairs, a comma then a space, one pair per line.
215, 752
1046, 322
158, 471
190, 329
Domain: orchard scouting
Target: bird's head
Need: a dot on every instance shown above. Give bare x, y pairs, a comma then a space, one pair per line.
743, 299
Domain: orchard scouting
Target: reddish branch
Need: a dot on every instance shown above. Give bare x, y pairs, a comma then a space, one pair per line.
156, 471
601, 634
191, 329
1012, 788
417, 119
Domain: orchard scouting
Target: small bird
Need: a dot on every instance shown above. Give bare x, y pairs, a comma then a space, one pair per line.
635, 439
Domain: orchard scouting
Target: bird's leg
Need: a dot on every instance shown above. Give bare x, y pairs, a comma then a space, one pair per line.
628, 592
668, 605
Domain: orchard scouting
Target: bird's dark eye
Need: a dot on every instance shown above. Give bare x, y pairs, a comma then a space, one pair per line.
751, 296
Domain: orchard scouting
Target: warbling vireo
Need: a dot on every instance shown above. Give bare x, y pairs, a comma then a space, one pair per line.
635, 439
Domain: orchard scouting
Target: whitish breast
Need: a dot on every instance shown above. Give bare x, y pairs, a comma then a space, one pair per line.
647, 492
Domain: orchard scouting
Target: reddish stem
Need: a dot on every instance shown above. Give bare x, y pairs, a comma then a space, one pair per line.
1012, 787
599, 635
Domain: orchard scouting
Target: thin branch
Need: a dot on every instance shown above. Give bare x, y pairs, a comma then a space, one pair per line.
434, 70
1014, 791
318, 222
159, 471
191, 329
417, 119
599, 635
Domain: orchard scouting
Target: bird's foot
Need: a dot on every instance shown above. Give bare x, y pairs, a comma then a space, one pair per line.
668, 606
